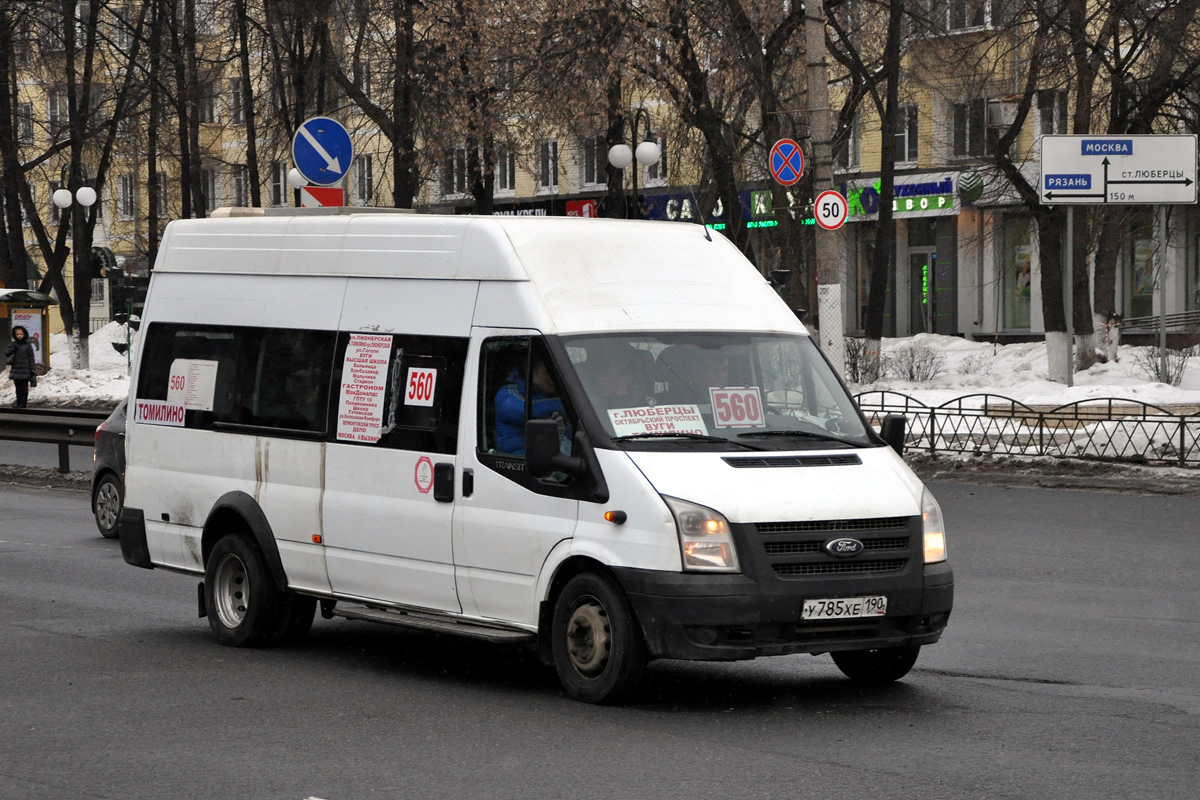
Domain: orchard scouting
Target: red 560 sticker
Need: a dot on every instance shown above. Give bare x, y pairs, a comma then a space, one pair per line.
420, 386
737, 407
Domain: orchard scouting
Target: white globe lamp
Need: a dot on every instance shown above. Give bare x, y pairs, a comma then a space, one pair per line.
86, 196
648, 153
620, 156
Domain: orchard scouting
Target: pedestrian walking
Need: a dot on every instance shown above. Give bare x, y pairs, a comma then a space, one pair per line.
21, 362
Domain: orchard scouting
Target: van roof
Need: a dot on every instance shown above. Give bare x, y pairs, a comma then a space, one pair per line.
574, 263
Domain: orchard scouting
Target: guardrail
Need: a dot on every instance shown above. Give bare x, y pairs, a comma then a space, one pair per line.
61, 426
1110, 429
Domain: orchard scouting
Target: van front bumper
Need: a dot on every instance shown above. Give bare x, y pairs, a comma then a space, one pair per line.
701, 617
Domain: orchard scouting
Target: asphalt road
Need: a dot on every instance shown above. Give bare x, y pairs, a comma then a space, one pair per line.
1071, 669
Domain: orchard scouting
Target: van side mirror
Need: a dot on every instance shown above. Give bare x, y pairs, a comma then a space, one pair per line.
892, 431
542, 456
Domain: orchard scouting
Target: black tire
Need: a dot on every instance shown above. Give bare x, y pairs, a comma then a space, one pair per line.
884, 665
295, 619
599, 652
244, 607
107, 501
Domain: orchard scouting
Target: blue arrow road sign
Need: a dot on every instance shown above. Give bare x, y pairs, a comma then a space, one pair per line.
322, 151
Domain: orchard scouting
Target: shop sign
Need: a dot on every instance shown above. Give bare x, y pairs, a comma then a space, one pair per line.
917, 199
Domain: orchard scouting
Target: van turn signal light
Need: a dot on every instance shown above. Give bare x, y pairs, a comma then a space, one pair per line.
316, 538
616, 517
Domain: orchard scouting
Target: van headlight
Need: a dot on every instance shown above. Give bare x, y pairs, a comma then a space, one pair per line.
935, 529
705, 539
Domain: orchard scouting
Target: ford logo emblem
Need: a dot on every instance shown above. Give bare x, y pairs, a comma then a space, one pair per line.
844, 547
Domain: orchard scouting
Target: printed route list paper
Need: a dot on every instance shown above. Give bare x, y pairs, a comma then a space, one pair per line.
364, 380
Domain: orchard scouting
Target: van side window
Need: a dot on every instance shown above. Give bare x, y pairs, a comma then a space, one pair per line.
518, 382
398, 391
225, 375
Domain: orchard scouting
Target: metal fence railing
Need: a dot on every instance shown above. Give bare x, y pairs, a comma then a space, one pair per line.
1110, 429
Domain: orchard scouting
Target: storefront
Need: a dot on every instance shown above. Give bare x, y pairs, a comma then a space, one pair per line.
923, 286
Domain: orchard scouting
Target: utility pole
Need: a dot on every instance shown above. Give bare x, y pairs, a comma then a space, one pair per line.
829, 265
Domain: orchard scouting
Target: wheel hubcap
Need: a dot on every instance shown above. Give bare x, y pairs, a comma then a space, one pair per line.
231, 591
108, 503
589, 638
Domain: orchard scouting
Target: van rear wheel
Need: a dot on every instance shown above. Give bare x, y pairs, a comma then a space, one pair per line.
884, 665
598, 649
244, 607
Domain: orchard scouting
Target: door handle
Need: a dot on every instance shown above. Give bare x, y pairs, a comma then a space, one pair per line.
443, 482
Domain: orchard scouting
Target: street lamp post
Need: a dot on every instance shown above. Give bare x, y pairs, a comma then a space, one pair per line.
85, 196
647, 154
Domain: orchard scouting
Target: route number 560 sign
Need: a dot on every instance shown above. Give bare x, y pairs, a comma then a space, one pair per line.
830, 210
737, 407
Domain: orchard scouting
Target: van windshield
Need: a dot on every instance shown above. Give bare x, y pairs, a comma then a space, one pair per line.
760, 391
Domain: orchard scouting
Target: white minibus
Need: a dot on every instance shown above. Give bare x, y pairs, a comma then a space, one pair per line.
611, 440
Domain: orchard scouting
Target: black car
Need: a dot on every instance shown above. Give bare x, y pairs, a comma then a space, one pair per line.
108, 474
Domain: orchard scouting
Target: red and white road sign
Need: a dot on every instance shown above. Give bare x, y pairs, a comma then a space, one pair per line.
830, 210
322, 196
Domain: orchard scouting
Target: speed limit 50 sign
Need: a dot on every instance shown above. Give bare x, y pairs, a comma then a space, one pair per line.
830, 210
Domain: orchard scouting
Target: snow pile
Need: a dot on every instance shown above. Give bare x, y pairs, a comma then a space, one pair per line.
1021, 371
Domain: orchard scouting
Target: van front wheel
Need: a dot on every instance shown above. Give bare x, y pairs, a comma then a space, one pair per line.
243, 605
598, 649
884, 665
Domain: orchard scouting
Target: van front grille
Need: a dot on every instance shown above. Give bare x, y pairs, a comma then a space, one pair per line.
838, 567
792, 548
834, 525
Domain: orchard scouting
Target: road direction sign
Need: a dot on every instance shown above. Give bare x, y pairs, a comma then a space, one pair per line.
1122, 169
787, 161
322, 150
830, 210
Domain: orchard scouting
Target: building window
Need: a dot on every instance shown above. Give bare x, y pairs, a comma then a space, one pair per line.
279, 186
547, 165
55, 211
56, 110
239, 179
364, 78
1017, 268
454, 172
657, 172
206, 101
158, 197
906, 133
208, 185
848, 152
595, 156
126, 199
237, 105
1052, 111
25, 123
506, 168
364, 181
979, 124
123, 20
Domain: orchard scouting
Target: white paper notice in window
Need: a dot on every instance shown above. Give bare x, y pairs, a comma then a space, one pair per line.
364, 380
193, 382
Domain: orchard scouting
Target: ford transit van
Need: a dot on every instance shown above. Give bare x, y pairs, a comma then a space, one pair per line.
611, 440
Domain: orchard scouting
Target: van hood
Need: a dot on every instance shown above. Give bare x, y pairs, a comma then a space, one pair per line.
788, 486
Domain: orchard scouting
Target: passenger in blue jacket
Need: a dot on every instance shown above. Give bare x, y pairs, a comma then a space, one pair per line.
510, 409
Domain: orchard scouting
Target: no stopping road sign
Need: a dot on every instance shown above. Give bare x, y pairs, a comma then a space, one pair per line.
830, 210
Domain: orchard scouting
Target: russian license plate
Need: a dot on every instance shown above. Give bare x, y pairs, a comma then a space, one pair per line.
844, 608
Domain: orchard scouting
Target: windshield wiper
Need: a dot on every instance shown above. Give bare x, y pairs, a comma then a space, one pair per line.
698, 437
808, 434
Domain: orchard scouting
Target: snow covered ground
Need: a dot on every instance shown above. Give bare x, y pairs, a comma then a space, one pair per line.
1018, 371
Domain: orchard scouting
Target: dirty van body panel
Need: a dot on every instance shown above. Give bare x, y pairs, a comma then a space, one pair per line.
177, 474
781, 519
387, 538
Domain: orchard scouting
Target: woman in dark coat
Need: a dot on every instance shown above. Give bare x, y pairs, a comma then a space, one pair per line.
21, 362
